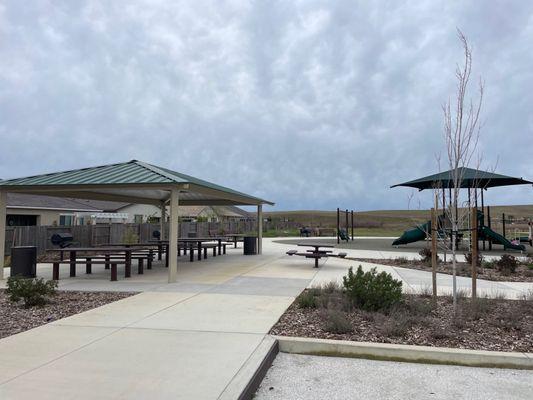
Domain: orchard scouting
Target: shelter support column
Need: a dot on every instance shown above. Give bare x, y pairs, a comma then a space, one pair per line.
173, 237
3, 206
259, 229
162, 221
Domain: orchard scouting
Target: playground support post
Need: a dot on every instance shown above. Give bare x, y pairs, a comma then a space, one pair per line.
489, 224
483, 210
434, 249
353, 234
503, 226
338, 224
346, 215
474, 251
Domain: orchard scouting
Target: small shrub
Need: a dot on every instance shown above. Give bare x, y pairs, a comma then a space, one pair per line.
331, 287
425, 253
33, 292
489, 264
468, 258
419, 307
307, 300
402, 260
397, 325
507, 264
336, 322
371, 291
479, 307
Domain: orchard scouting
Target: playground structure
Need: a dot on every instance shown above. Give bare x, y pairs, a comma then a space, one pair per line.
473, 180
484, 232
344, 234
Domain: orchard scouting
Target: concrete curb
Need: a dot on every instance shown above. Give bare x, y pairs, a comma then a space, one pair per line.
245, 383
406, 353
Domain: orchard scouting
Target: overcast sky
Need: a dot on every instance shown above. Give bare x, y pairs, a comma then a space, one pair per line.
311, 104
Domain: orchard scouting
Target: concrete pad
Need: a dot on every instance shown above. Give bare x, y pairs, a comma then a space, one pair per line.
220, 313
294, 267
140, 364
261, 286
126, 311
32, 349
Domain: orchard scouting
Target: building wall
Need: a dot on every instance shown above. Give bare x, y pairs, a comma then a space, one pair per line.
146, 210
44, 217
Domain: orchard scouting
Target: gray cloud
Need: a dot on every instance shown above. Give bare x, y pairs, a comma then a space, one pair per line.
313, 104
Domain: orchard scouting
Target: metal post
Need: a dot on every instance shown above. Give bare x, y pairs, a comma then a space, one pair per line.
338, 224
3, 206
259, 229
346, 217
353, 233
489, 224
503, 225
172, 253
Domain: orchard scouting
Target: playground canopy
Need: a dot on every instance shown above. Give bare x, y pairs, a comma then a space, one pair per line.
470, 178
134, 182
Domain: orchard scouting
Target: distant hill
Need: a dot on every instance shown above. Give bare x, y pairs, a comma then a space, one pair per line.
386, 222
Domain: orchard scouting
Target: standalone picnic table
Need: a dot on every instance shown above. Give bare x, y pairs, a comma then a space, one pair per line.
316, 253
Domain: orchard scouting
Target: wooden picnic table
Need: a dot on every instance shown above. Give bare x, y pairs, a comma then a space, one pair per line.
235, 237
73, 253
199, 242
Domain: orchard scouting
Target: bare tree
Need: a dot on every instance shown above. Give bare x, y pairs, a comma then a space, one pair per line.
461, 133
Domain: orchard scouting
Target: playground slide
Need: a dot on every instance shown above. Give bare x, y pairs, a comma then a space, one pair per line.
497, 238
413, 235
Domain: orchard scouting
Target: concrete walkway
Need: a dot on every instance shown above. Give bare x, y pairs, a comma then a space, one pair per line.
190, 340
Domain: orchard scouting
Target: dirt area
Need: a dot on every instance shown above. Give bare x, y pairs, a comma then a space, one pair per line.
485, 324
487, 271
14, 318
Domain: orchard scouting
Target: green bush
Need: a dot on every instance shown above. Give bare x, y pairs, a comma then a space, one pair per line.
307, 299
336, 322
507, 264
468, 258
371, 291
33, 292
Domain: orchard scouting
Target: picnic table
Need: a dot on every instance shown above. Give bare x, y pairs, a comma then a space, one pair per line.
316, 252
235, 237
107, 251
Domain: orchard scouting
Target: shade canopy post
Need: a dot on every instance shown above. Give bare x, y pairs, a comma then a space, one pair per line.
173, 237
3, 207
259, 229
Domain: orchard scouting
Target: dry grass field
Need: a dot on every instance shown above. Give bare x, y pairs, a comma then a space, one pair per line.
394, 222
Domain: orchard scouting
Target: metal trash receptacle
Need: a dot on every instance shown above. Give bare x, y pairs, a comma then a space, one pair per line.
24, 261
250, 245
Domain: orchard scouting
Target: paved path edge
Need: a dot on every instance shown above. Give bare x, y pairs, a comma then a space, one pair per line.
405, 353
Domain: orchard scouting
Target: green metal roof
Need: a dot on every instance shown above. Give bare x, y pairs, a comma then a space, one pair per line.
470, 178
119, 175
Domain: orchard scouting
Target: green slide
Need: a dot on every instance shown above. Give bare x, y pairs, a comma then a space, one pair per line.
497, 238
413, 235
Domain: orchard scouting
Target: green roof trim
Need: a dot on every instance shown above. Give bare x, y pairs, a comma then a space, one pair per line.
133, 172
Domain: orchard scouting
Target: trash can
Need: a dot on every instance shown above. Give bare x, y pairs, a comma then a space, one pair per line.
24, 261
250, 245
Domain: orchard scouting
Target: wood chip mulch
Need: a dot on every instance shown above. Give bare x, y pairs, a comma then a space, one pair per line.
497, 325
522, 274
14, 318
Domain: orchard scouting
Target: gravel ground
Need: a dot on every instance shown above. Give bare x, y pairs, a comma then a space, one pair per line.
522, 273
312, 377
14, 318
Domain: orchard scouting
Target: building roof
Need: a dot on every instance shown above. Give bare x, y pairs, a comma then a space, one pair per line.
30, 201
133, 181
470, 178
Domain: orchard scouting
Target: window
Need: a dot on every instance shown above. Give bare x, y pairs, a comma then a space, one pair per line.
66, 220
138, 218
